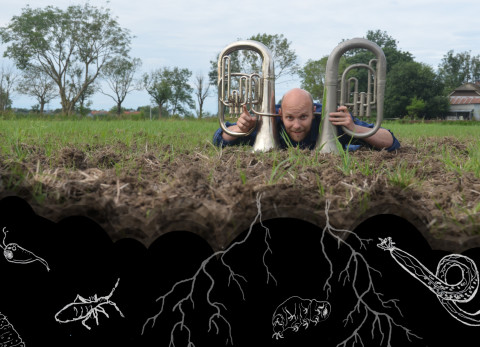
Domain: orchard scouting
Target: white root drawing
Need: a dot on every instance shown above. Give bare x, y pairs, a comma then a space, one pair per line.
367, 318
296, 312
218, 307
19, 255
84, 309
448, 294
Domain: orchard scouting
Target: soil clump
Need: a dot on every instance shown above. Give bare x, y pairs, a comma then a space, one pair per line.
144, 196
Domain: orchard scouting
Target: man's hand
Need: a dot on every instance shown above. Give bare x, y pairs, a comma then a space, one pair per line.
342, 117
244, 124
381, 139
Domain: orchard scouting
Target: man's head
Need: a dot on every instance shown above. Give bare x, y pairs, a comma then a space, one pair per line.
297, 113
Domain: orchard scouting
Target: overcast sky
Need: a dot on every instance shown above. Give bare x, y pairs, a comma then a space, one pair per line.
190, 33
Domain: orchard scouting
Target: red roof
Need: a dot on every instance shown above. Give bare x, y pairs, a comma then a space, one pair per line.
464, 100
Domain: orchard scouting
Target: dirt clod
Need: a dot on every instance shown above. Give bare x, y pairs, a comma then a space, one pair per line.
214, 195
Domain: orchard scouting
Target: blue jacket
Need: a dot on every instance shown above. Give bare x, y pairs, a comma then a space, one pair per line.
310, 140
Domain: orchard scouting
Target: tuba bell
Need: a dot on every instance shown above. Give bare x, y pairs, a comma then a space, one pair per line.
255, 90
362, 102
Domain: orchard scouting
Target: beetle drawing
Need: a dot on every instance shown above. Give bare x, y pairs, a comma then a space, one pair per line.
84, 309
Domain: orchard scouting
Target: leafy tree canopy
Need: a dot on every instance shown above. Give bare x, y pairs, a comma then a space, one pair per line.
169, 86
387, 43
409, 82
457, 69
63, 43
119, 75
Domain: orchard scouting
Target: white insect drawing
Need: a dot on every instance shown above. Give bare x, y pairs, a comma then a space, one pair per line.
19, 255
449, 295
8, 335
296, 312
84, 309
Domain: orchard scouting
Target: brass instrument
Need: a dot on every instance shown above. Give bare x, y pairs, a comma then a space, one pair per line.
255, 90
362, 103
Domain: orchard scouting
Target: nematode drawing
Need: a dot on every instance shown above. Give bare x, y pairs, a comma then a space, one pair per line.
449, 295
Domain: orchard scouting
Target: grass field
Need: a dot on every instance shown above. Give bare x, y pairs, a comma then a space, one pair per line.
147, 168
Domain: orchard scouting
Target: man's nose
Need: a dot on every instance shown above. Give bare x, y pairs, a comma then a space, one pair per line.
296, 124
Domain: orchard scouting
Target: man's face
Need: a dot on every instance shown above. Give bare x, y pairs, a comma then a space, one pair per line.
297, 116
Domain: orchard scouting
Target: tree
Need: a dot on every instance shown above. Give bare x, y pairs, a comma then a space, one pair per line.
8, 79
201, 92
312, 76
388, 45
181, 90
39, 85
83, 103
119, 74
73, 86
63, 43
457, 69
158, 87
409, 80
416, 108
284, 57
170, 86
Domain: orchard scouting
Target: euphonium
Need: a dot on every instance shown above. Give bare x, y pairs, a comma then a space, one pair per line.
328, 134
256, 91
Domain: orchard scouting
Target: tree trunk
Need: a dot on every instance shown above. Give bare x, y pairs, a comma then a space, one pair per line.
63, 99
159, 111
119, 108
200, 106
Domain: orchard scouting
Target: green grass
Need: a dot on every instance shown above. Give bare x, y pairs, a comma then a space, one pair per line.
183, 134
415, 131
167, 138
439, 148
402, 176
138, 136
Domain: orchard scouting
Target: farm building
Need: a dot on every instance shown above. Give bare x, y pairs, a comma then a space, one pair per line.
465, 102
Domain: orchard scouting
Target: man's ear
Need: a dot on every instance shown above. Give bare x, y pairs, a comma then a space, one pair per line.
280, 111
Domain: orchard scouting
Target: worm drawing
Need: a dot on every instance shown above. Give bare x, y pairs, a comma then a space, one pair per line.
84, 309
19, 255
8, 335
296, 312
449, 295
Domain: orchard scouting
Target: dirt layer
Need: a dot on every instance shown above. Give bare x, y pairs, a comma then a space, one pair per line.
144, 196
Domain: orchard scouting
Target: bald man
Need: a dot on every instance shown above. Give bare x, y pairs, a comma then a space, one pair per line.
301, 126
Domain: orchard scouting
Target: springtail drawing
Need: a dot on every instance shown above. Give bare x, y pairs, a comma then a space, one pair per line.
84, 309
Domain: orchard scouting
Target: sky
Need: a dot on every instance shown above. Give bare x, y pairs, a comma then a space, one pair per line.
190, 33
